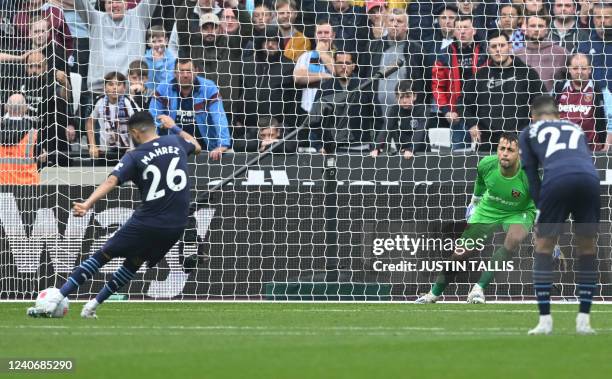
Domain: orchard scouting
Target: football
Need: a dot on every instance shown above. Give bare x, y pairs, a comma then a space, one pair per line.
62, 307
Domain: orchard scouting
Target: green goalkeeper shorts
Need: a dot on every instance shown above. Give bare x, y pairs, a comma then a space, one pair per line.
482, 223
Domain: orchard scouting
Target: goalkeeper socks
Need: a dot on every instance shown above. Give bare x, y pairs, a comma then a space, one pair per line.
542, 281
442, 282
85, 271
120, 278
500, 255
586, 279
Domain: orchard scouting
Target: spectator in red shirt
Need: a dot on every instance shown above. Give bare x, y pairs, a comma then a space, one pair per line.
453, 67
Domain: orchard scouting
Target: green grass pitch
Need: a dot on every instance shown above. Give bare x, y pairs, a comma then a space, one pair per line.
288, 340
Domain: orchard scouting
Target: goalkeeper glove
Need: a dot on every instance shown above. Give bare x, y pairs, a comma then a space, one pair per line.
472, 207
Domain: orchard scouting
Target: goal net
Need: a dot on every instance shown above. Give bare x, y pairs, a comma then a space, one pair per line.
357, 127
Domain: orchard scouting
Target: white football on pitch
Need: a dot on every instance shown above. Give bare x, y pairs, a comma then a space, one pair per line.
62, 307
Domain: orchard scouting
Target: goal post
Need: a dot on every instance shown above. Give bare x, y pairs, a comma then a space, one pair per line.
267, 86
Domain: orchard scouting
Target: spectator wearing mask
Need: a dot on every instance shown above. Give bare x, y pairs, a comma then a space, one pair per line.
582, 102
544, 56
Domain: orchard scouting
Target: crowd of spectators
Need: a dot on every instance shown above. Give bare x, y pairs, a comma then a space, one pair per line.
242, 74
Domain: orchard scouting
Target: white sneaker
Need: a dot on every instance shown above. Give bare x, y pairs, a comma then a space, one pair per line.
544, 327
476, 296
583, 324
428, 298
89, 309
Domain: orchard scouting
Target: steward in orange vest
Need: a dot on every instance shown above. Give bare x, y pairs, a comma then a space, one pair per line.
18, 152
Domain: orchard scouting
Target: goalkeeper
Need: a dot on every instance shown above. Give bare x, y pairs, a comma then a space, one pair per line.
501, 197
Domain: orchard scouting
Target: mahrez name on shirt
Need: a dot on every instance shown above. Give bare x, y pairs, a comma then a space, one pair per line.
160, 151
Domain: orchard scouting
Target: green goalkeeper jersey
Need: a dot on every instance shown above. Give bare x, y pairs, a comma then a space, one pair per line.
503, 199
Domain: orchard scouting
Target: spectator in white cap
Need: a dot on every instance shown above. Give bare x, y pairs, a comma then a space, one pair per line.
213, 58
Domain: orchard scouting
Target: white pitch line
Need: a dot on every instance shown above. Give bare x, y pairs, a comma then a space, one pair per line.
424, 309
321, 302
269, 329
415, 309
290, 334
220, 327
408, 308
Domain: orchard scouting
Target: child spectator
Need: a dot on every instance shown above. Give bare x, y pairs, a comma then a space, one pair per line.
410, 124
138, 76
108, 121
268, 132
160, 60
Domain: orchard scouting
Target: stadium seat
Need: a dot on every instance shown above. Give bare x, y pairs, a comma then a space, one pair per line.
439, 138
